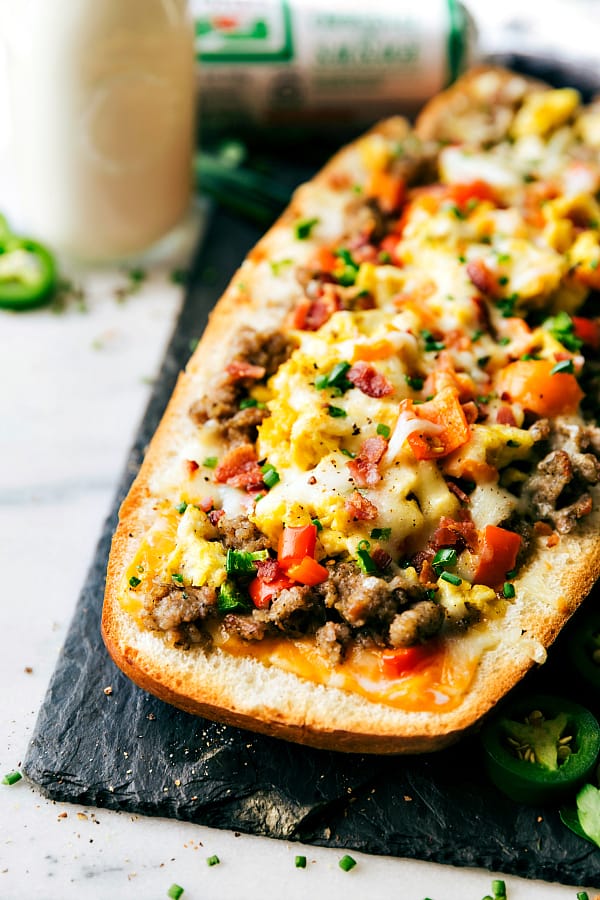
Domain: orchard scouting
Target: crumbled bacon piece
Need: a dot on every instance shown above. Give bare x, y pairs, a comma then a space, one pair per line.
365, 467
381, 558
239, 369
505, 416
240, 468
368, 380
191, 466
458, 492
359, 508
310, 315
453, 533
269, 570
471, 412
482, 277
215, 515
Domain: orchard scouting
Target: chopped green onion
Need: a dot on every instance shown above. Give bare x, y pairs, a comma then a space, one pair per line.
383, 430
248, 402
270, 475
364, 560
278, 265
177, 577
210, 462
133, 581
181, 507
384, 257
565, 365
381, 534
562, 328
503, 280
335, 378
504, 341
431, 344
12, 777
213, 860
346, 863
452, 579
508, 590
336, 412
304, 227
431, 593
137, 275
231, 600
346, 276
242, 562
348, 453
175, 891
583, 895
506, 305
414, 381
317, 524
499, 890
444, 559
300, 862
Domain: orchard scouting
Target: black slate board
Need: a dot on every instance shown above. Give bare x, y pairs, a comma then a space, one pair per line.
129, 751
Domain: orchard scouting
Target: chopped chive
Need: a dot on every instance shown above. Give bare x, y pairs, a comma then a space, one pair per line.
508, 590
414, 381
336, 412
210, 462
477, 334
431, 593
12, 777
181, 507
348, 453
443, 559
175, 891
431, 344
499, 890
506, 305
300, 862
248, 402
583, 895
270, 475
383, 430
562, 327
381, 534
364, 560
452, 579
335, 378
177, 577
304, 227
346, 863
133, 581
565, 365
317, 524
213, 860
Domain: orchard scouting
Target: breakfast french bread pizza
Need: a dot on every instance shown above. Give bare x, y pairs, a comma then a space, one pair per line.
372, 502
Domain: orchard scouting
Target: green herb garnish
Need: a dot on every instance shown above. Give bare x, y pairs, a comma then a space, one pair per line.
270, 475
133, 581
383, 430
452, 579
414, 381
12, 777
303, 228
181, 507
336, 412
431, 344
508, 590
335, 378
365, 561
210, 462
300, 862
175, 891
213, 860
177, 577
346, 863
444, 559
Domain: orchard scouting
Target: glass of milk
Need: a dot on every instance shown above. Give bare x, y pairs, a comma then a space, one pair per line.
101, 100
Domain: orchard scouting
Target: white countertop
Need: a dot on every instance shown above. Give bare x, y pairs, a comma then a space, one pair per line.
73, 389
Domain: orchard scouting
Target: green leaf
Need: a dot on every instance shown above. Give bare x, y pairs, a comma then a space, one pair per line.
588, 812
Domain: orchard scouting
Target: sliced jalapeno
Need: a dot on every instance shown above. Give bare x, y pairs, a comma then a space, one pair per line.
541, 748
27, 273
583, 648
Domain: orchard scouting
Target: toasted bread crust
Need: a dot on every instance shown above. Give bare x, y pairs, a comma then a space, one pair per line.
246, 693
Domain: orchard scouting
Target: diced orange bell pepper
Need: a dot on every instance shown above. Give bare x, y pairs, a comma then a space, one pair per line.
308, 571
497, 555
444, 410
388, 189
529, 382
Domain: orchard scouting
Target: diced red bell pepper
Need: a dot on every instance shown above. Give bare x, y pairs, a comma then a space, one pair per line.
262, 592
404, 660
463, 194
497, 555
296, 542
587, 330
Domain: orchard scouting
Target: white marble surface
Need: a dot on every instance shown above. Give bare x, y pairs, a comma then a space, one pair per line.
73, 387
